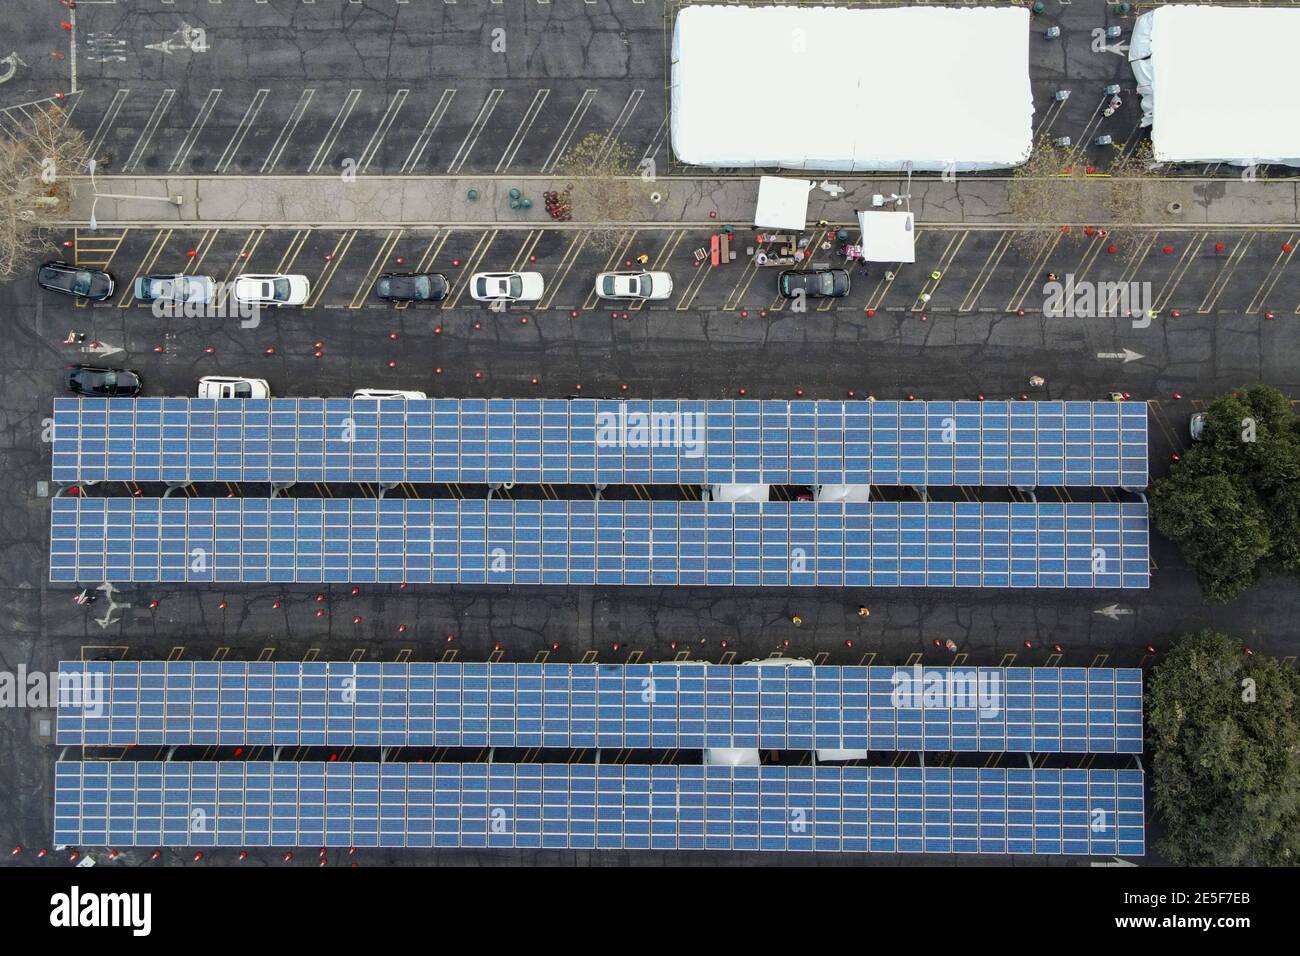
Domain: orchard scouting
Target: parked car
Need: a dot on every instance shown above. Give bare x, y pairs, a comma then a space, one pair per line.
506, 286
221, 386
634, 285
815, 283
381, 393
412, 286
271, 290
108, 382
175, 288
56, 276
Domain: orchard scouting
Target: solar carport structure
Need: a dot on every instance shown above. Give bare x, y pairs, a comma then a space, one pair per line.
688, 706
577, 805
603, 807
607, 542
583, 441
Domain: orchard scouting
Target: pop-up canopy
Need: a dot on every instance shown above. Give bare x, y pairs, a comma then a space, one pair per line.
887, 236
782, 203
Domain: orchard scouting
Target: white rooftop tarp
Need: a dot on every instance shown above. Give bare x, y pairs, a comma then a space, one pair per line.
887, 236
782, 203
852, 89
1219, 84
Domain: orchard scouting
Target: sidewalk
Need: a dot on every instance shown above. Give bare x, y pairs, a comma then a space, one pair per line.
385, 201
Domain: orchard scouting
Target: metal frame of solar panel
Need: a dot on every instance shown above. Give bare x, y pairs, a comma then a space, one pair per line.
608, 542
679, 706
587, 441
577, 806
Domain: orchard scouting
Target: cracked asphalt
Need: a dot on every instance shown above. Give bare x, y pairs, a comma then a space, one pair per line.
710, 341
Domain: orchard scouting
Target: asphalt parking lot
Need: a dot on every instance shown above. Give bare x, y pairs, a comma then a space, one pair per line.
292, 86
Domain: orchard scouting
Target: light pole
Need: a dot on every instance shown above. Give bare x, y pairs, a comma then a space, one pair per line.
94, 224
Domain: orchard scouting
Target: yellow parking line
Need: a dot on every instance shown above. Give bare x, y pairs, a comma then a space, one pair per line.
1035, 271
1274, 273
526, 250
201, 250
576, 244
693, 287
1226, 272
372, 272
1184, 263
661, 258
147, 263
476, 255
331, 266
945, 262
616, 256
251, 242
986, 272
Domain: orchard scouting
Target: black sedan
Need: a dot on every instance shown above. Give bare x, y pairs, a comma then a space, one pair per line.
91, 380
412, 286
815, 284
73, 280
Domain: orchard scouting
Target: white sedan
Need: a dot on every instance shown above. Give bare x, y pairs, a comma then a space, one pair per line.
506, 286
221, 386
272, 289
634, 285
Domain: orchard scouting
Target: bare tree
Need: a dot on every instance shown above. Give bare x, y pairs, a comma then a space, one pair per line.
605, 190
36, 165
1056, 188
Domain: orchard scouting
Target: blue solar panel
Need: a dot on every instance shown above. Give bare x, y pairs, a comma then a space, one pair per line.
876, 544
577, 806
662, 706
1024, 444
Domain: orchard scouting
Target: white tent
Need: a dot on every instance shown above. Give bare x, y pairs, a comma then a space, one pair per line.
1217, 83
887, 236
943, 88
782, 203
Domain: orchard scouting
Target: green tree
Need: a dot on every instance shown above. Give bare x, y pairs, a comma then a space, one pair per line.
1233, 503
1224, 729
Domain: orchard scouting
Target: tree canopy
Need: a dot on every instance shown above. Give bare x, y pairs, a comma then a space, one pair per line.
1233, 503
1224, 729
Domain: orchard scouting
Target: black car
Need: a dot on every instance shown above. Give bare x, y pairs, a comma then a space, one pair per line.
90, 380
73, 280
816, 283
412, 286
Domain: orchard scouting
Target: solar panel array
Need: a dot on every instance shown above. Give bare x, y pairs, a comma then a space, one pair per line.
583, 806
583, 441
669, 706
876, 544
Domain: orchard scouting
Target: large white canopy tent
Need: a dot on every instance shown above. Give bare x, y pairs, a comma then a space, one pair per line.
1218, 83
852, 89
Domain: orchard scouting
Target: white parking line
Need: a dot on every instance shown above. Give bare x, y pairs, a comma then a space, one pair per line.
332, 134
620, 122
377, 139
512, 148
187, 144
422, 143
151, 127
657, 141
237, 139
110, 115
467, 146
291, 124
566, 134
